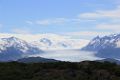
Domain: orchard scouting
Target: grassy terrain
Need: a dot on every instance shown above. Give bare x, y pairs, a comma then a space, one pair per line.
86, 70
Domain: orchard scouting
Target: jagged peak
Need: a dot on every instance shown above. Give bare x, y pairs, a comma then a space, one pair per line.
10, 38
110, 41
116, 36
97, 37
13, 39
44, 39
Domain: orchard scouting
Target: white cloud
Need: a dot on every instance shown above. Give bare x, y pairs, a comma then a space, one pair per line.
109, 27
52, 21
29, 22
115, 13
1, 25
112, 23
87, 34
90, 15
21, 31
78, 20
55, 38
58, 21
34, 37
43, 22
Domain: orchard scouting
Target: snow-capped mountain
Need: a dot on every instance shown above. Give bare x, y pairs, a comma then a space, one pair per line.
57, 44
13, 48
106, 47
112, 41
50, 41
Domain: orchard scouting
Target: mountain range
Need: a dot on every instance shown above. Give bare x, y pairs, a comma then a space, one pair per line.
59, 44
106, 47
13, 48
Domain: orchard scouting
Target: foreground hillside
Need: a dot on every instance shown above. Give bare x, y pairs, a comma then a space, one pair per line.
60, 71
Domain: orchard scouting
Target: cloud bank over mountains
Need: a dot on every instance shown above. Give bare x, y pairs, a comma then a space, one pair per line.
50, 41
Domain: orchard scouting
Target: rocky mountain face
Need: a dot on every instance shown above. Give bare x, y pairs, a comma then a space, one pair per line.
13, 48
106, 47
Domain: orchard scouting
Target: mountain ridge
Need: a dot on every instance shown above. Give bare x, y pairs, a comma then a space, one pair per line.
36, 60
106, 47
13, 48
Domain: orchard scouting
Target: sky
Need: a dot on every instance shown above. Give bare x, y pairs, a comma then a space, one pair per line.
75, 18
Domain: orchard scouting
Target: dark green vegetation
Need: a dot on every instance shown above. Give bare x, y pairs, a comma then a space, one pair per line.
86, 70
36, 60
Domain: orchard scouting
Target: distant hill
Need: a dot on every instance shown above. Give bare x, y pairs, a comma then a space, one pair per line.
36, 60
